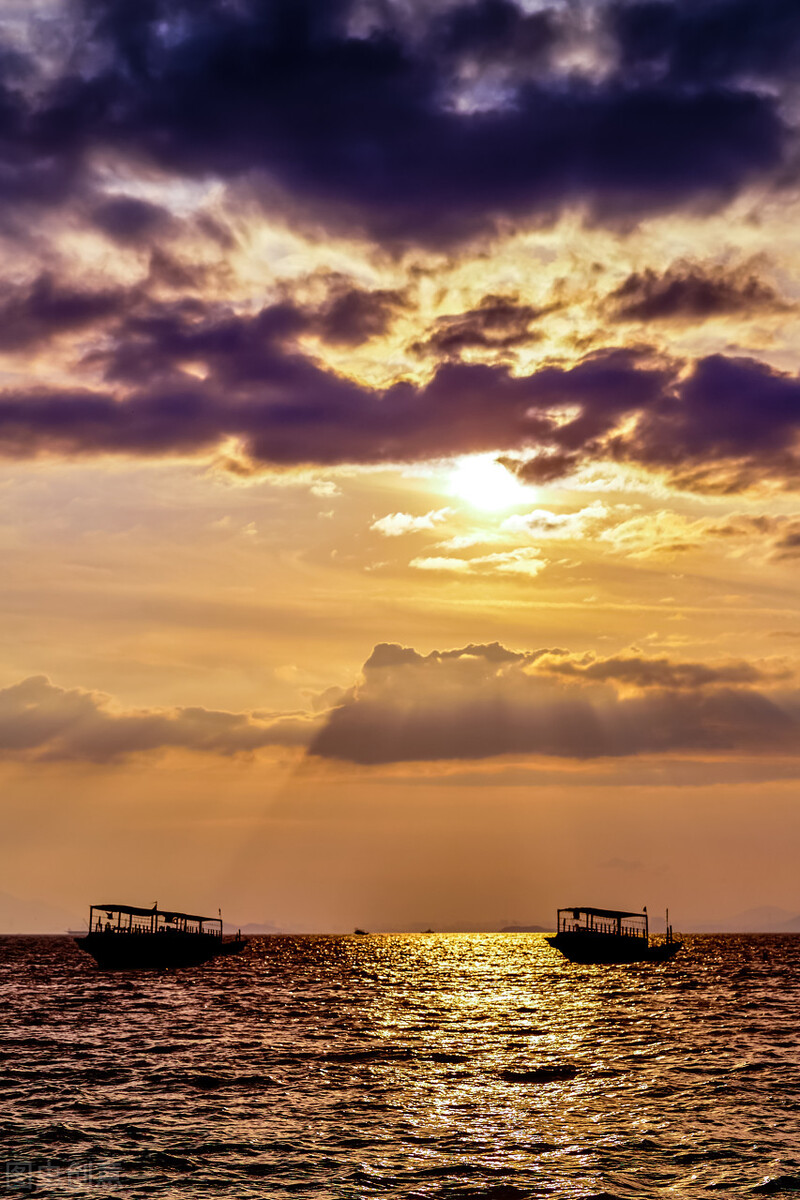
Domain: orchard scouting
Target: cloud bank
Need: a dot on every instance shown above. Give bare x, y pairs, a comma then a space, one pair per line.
407, 124
41, 721
722, 424
472, 703
485, 701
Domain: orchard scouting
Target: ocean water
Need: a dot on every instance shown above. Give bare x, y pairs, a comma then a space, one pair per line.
414, 1066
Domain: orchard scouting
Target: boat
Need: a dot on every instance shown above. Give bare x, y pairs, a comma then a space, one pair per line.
608, 935
123, 936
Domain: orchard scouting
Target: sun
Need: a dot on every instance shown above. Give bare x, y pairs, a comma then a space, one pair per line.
486, 484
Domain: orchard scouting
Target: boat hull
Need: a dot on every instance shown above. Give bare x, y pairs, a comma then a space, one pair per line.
580, 947
121, 952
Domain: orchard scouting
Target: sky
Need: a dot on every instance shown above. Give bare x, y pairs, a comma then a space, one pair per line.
399, 457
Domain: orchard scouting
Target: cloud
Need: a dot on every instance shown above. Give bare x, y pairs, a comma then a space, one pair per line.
184, 377
543, 523
688, 294
638, 672
546, 466
492, 32
41, 721
726, 42
396, 524
129, 220
287, 410
521, 561
485, 701
476, 701
660, 532
735, 413
787, 543
352, 315
668, 532
31, 315
408, 125
725, 425
498, 323
465, 541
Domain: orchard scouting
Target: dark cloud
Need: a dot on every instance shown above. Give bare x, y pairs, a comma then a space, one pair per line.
428, 131
32, 174
388, 157
545, 468
154, 342
729, 411
390, 654
166, 270
687, 293
287, 410
32, 315
639, 672
725, 41
184, 376
498, 32
727, 425
42, 721
128, 220
787, 543
156, 338
498, 323
473, 704
352, 315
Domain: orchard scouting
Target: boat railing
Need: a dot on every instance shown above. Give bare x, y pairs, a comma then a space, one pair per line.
609, 930
628, 925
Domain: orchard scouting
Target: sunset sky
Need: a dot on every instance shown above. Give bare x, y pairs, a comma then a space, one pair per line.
399, 454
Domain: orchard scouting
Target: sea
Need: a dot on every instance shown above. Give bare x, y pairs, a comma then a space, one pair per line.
420, 1066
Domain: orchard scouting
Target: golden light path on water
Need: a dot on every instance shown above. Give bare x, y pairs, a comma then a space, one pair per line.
414, 1066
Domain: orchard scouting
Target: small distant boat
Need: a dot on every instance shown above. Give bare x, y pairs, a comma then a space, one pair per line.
123, 936
607, 935
361, 932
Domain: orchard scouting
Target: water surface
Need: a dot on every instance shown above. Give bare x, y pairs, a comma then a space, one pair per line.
414, 1066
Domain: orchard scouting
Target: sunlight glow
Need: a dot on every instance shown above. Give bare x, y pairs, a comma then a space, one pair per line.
486, 484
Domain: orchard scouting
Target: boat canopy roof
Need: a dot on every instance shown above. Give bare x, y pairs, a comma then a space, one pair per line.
599, 912
148, 912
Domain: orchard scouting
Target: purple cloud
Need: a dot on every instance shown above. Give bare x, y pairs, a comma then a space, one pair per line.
687, 293
724, 424
367, 126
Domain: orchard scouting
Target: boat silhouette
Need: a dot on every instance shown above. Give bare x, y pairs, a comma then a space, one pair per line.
123, 936
609, 935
